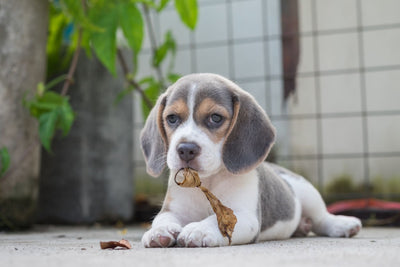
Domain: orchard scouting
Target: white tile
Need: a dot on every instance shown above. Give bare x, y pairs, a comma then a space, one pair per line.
259, 91
274, 57
380, 12
282, 145
381, 47
212, 24
350, 167
386, 168
337, 14
183, 62
169, 20
303, 136
213, 59
303, 101
247, 20
272, 17
305, 15
208, 2
306, 59
340, 93
338, 51
342, 135
384, 133
383, 90
249, 60
145, 65
278, 106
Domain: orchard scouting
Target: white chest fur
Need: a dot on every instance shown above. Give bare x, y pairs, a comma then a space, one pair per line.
238, 192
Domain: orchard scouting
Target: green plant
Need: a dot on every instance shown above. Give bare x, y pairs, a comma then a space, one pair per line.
92, 25
341, 184
4, 160
386, 186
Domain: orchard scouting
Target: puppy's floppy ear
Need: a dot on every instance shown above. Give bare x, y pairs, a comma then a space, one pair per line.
153, 139
250, 136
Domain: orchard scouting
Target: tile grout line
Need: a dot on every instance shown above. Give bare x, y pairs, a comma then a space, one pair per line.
363, 91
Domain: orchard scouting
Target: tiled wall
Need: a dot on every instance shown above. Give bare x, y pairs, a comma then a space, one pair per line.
349, 91
345, 116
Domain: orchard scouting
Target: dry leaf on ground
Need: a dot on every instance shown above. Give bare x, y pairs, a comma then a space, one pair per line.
115, 244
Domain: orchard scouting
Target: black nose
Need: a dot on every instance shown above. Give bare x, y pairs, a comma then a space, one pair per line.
188, 151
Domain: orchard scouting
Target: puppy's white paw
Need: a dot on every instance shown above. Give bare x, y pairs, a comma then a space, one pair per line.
200, 234
161, 236
342, 226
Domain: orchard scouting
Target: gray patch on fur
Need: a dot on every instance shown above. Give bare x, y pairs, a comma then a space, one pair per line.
276, 198
178, 91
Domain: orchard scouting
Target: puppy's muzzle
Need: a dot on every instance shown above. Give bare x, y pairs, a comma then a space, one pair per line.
188, 151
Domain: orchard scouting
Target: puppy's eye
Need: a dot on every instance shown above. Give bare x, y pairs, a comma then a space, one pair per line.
172, 119
214, 121
215, 118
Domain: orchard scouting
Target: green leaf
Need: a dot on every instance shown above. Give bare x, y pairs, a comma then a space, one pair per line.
160, 55
131, 22
152, 91
74, 9
44, 103
168, 45
162, 5
53, 112
40, 88
4, 160
187, 10
173, 77
104, 42
66, 117
55, 47
47, 127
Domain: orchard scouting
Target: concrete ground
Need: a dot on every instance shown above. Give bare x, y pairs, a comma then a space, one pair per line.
79, 246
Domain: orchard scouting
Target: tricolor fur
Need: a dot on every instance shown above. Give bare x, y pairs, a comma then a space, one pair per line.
208, 123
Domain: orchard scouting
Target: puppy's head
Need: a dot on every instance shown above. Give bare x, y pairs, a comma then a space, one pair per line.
208, 123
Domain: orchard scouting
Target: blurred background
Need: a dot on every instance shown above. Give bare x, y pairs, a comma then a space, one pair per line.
326, 72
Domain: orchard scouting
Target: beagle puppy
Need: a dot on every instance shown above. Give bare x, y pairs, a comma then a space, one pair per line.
206, 122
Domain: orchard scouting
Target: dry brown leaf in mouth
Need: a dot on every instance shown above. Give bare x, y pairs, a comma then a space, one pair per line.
225, 217
114, 244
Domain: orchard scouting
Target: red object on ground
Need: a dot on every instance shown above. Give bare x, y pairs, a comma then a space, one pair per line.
360, 204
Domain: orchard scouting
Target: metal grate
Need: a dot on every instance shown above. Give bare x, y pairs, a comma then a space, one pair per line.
269, 77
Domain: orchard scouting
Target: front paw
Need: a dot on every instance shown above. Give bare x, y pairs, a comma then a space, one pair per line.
161, 236
198, 234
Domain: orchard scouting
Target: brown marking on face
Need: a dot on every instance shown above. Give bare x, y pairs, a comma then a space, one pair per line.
179, 108
203, 113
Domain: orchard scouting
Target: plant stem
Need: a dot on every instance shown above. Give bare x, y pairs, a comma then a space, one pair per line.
74, 63
153, 43
131, 81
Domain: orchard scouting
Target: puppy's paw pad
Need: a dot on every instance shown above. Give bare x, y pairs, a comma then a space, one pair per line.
195, 235
163, 236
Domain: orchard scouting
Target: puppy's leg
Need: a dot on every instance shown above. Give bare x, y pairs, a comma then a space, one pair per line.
164, 231
314, 209
206, 232
304, 227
